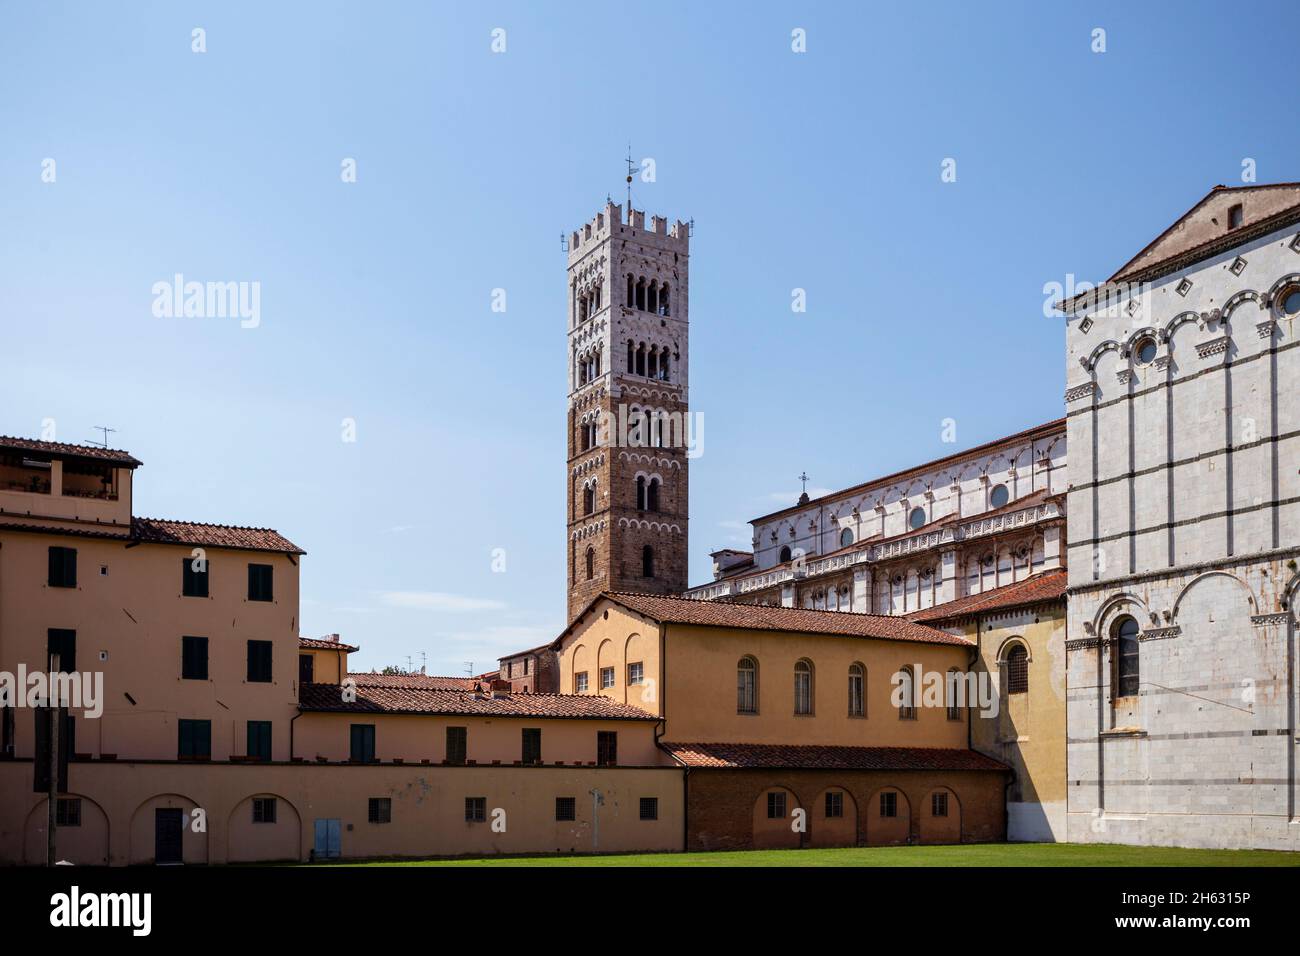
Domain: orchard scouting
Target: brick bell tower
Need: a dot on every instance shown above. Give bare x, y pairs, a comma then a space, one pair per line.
629, 428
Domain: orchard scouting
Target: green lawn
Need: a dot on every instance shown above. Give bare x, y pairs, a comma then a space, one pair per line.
989, 854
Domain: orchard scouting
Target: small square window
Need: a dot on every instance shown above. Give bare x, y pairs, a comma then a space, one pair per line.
635, 673
63, 568
1085, 325
606, 677
776, 805
380, 810
67, 812
475, 809
566, 808
1238, 266
580, 683
1184, 287
260, 582
649, 808
264, 809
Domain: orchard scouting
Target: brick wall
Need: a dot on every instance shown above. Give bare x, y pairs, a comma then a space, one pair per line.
726, 809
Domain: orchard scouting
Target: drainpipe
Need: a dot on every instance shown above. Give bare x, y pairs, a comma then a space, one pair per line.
291, 720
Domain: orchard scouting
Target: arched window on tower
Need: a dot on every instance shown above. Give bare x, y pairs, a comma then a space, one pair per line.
631, 356
583, 308
652, 297
652, 495
647, 562
631, 294
663, 366
591, 563
652, 364
640, 294
663, 300
589, 498
640, 359
640, 493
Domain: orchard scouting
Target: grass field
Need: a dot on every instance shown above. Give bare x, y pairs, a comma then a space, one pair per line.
991, 854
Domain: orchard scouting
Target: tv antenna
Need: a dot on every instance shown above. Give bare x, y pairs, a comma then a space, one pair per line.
105, 429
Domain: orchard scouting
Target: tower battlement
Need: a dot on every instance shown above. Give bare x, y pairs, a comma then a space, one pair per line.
611, 223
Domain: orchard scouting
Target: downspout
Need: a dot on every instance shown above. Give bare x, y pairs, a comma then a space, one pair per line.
662, 729
291, 720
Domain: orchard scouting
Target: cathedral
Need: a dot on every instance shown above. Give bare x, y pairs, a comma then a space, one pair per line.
1124, 575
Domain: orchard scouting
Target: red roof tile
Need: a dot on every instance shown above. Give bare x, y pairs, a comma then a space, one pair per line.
324, 645
388, 699
113, 456
160, 531
1042, 588
413, 681
679, 610
810, 757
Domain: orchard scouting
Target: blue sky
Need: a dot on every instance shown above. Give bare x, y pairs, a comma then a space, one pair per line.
818, 170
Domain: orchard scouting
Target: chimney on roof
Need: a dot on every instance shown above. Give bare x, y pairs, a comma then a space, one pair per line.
500, 688
332, 638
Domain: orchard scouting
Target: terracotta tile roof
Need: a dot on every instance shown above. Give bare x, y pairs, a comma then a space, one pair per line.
324, 645
413, 681
111, 455
1038, 431
531, 650
1039, 589
678, 610
811, 757
160, 531
387, 699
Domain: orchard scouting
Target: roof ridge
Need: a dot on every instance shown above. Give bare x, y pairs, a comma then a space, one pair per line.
64, 444
204, 524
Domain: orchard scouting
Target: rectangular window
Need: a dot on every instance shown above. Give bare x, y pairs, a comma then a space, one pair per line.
649, 808
363, 743
194, 583
834, 804
526, 666
67, 812
580, 683
475, 809
457, 744
259, 582
195, 740
510, 670
607, 748
306, 668
938, 804
857, 692
1235, 217
264, 809
635, 672
259, 662
566, 808
776, 805
194, 658
746, 688
62, 641
63, 567
532, 745
889, 804
606, 677
259, 739
381, 810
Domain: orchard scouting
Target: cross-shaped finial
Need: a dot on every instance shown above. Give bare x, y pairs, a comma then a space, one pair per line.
804, 478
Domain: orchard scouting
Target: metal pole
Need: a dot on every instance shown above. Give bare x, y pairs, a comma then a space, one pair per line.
54, 763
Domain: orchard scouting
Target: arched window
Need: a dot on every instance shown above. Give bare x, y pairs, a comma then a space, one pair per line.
846, 537
652, 495
631, 357
906, 694
640, 294
857, 691
663, 300
1125, 637
784, 555
591, 563
640, 359
589, 498
663, 365
647, 562
803, 687
652, 364
631, 300
747, 686
1018, 670
640, 492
